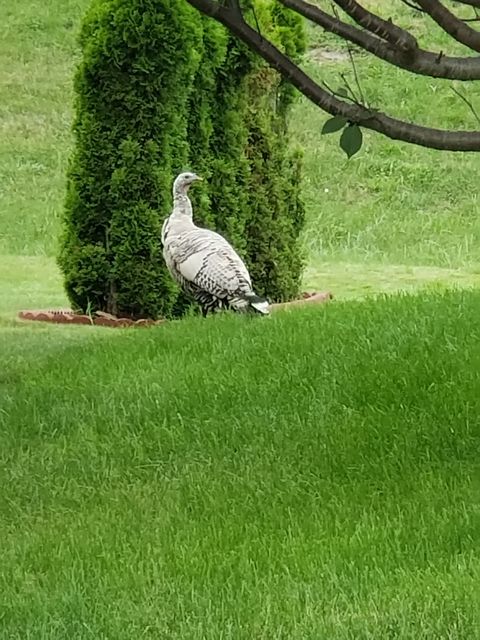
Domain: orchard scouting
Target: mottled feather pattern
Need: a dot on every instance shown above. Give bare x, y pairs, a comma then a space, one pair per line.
202, 262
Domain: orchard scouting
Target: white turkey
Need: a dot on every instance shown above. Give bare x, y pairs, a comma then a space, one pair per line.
202, 262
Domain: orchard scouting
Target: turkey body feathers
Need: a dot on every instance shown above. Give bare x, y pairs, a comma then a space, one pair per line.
205, 265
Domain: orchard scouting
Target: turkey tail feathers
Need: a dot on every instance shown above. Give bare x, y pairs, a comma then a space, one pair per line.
258, 304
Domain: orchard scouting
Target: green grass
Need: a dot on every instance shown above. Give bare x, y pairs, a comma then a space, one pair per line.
313, 475
37, 59
163, 484
29, 283
393, 204
33, 282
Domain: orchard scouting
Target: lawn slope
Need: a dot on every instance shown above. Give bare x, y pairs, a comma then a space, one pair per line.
311, 475
393, 204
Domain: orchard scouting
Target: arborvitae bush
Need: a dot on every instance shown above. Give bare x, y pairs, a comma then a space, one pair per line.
254, 174
132, 88
160, 90
276, 210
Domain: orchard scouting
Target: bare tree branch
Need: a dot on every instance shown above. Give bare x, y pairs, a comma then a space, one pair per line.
468, 103
357, 77
348, 94
376, 121
470, 3
417, 61
384, 29
412, 6
451, 24
234, 5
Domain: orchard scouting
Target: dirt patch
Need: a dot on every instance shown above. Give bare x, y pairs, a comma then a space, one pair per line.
323, 56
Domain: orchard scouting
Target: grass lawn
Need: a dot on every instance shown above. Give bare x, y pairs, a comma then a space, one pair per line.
240, 479
312, 475
393, 207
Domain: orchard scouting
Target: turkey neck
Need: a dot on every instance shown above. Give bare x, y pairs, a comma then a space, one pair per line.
182, 207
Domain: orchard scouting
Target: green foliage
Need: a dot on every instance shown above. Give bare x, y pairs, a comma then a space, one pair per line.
276, 209
351, 139
228, 171
334, 124
161, 88
254, 177
132, 88
286, 30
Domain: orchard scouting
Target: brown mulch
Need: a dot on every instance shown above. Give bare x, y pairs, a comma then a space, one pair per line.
67, 316
315, 298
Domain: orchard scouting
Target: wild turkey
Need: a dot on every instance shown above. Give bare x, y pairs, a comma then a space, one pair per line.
202, 262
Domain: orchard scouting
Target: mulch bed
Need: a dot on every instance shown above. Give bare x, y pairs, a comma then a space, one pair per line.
67, 316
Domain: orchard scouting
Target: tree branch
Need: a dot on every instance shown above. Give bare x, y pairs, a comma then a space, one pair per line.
356, 76
451, 24
384, 29
470, 3
376, 121
417, 61
234, 5
412, 5
468, 103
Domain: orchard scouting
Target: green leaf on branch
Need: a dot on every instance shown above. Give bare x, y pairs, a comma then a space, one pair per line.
334, 124
351, 139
